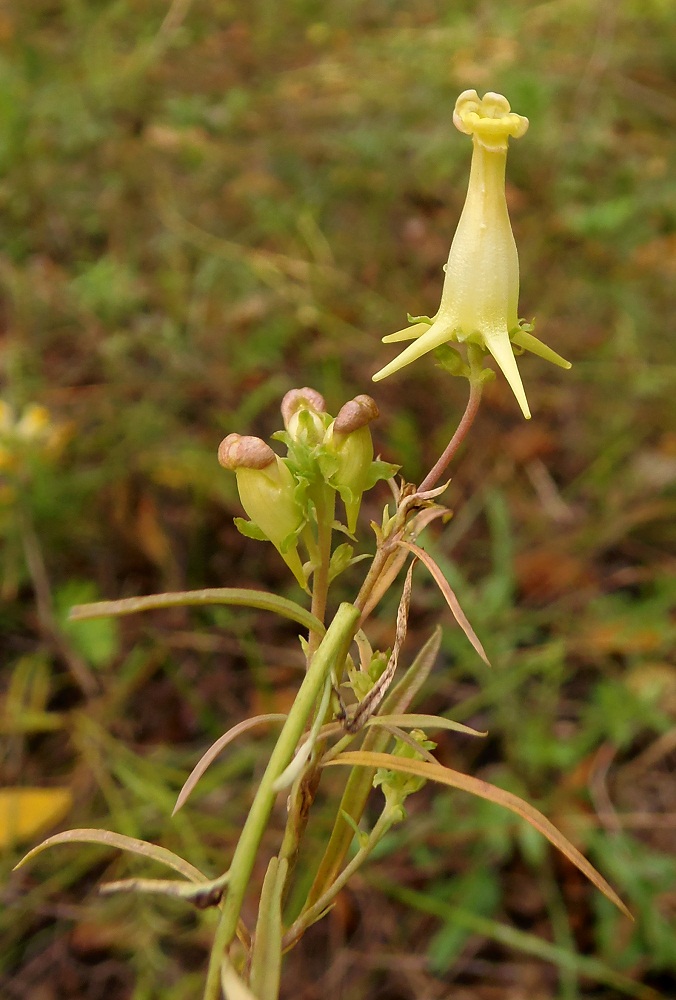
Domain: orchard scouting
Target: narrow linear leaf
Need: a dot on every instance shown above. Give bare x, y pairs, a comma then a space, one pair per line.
403, 737
449, 596
358, 785
122, 843
294, 768
215, 749
232, 984
266, 958
369, 704
484, 790
423, 722
236, 596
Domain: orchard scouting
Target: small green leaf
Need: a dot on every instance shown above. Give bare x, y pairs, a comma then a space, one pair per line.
361, 836
379, 470
341, 558
98, 642
249, 529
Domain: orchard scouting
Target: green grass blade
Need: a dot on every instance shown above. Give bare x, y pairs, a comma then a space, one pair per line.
512, 937
237, 596
122, 843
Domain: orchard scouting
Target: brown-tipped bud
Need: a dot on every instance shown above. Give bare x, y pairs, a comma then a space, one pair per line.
359, 412
238, 451
305, 416
301, 399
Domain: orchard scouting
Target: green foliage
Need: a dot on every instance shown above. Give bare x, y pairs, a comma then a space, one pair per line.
97, 641
200, 212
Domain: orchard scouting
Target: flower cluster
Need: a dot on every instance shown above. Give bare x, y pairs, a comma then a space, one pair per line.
325, 456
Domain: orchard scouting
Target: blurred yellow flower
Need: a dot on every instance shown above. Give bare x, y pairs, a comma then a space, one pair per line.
34, 431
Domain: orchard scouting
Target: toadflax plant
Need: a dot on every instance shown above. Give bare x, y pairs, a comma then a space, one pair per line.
350, 710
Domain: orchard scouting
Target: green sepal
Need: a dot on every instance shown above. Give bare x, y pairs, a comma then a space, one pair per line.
451, 361
290, 542
419, 319
344, 530
341, 558
379, 470
249, 529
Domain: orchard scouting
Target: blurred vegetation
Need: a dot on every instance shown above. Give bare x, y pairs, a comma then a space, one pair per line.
206, 203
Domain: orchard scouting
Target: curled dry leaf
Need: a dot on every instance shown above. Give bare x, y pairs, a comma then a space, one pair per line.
215, 749
452, 601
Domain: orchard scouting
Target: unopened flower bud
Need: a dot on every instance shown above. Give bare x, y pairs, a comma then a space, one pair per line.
348, 439
303, 412
243, 451
267, 492
357, 413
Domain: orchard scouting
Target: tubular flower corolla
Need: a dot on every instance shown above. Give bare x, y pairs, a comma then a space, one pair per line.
480, 295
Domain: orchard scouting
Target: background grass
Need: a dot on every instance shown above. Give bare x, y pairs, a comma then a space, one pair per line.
204, 204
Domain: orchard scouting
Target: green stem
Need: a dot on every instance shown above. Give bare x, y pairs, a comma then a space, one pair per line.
333, 646
315, 911
325, 506
353, 803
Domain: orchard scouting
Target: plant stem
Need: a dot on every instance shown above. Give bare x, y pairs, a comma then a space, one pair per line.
386, 548
333, 646
434, 475
353, 803
315, 911
325, 505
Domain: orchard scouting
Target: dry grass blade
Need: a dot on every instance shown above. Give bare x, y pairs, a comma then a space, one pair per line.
366, 708
412, 721
212, 753
484, 790
202, 894
449, 596
122, 843
407, 689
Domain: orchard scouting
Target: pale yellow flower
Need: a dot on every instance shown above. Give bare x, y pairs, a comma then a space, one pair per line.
479, 300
